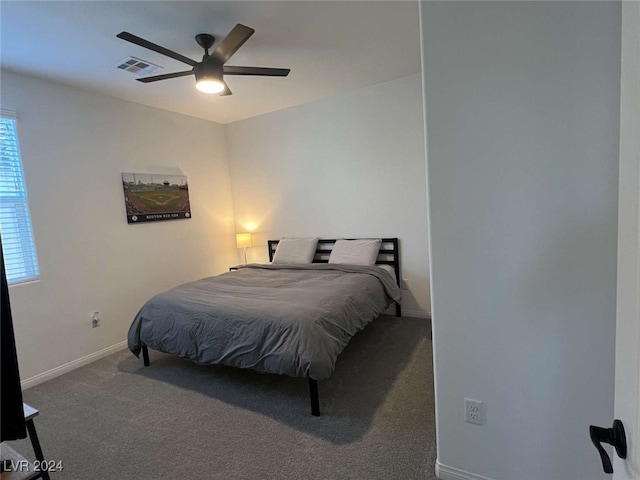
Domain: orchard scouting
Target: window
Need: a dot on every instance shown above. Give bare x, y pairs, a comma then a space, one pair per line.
20, 260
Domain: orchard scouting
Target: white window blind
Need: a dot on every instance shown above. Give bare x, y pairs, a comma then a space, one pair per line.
20, 260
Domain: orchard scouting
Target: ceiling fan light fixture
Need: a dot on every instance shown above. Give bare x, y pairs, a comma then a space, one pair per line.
209, 78
210, 86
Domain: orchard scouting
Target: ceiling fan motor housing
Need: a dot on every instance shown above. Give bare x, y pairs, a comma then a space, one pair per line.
208, 71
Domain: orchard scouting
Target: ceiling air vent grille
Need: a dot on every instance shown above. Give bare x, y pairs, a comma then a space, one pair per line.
137, 66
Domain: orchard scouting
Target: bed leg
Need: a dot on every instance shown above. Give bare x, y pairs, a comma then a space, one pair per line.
313, 393
145, 355
398, 310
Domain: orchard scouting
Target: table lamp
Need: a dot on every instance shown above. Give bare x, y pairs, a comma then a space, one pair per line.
243, 240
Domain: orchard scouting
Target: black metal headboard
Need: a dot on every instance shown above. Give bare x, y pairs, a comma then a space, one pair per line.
389, 253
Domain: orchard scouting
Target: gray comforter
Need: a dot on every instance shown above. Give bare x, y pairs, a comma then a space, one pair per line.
285, 319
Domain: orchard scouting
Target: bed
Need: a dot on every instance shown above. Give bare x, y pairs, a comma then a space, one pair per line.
289, 319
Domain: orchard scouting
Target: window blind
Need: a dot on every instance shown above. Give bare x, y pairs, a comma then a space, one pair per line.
20, 259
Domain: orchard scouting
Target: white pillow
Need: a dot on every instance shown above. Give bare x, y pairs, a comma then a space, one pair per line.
356, 252
295, 250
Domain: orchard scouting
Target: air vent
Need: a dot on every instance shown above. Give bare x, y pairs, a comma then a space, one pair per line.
137, 66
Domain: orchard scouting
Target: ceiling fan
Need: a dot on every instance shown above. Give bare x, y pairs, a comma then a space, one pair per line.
210, 71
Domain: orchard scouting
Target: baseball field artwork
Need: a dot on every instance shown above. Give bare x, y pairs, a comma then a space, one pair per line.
152, 198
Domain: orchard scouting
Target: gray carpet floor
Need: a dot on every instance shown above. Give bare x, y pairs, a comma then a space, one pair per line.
116, 419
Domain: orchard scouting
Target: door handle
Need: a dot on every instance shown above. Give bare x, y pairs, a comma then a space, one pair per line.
613, 436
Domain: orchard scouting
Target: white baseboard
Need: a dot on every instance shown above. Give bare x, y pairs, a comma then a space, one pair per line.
67, 367
416, 314
444, 472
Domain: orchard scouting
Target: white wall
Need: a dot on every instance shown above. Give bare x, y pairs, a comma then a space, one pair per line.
522, 102
347, 166
627, 397
74, 146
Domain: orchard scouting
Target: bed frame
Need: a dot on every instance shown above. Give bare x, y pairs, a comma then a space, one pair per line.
389, 254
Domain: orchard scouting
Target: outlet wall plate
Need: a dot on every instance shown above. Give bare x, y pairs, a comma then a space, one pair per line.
473, 411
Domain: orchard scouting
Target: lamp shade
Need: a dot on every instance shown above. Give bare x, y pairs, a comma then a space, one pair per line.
243, 240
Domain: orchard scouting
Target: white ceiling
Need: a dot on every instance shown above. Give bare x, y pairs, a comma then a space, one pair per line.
330, 47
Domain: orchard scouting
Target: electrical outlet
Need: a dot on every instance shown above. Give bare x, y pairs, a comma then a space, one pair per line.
405, 285
95, 319
473, 411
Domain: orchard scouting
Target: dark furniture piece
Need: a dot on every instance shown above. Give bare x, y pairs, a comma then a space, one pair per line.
12, 424
9, 454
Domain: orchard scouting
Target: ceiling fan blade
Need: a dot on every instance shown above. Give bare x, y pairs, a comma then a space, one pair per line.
226, 90
165, 76
232, 43
265, 72
156, 48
